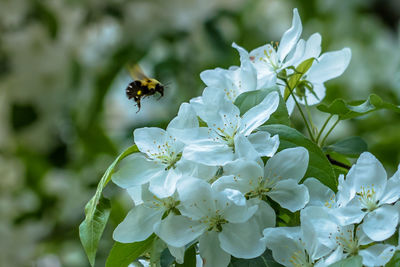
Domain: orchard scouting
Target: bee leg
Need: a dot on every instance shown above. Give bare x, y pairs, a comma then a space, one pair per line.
138, 105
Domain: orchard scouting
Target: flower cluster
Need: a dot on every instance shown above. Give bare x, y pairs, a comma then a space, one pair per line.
214, 179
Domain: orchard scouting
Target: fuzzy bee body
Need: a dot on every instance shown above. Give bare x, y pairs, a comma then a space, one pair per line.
142, 86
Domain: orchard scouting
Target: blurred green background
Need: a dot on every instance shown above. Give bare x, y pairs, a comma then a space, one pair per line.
64, 115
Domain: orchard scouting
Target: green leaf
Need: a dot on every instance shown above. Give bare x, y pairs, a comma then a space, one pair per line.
121, 255
294, 79
357, 108
319, 166
265, 260
97, 211
351, 147
395, 261
355, 261
190, 257
247, 100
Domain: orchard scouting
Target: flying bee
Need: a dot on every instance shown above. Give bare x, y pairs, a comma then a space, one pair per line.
142, 86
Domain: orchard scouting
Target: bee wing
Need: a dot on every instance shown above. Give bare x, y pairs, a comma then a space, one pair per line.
136, 72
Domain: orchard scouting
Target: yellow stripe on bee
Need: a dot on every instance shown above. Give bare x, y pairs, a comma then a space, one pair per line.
149, 83
139, 92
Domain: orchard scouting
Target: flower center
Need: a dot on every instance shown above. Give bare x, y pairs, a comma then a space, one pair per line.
346, 240
367, 197
299, 259
167, 155
226, 134
261, 190
271, 58
215, 222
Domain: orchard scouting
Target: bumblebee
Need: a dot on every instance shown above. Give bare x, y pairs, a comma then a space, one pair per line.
142, 86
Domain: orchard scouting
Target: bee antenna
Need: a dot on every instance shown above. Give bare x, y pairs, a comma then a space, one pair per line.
167, 84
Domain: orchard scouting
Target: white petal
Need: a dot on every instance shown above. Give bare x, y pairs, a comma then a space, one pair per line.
197, 197
149, 139
348, 215
320, 195
209, 153
206, 105
178, 253
135, 192
244, 149
244, 169
211, 252
164, 185
265, 70
179, 231
330, 65
242, 240
239, 214
186, 118
265, 215
377, 255
137, 225
313, 46
259, 114
366, 174
290, 163
392, 191
381, 223
290, 195
296, 55
230, 181
335, 256
214, 77
290, 37
318, 230
284, 243
195, 169
362, 238
248, 75
136, 170
263, 143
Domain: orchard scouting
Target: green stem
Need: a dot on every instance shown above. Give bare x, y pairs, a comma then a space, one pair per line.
330, 130
309, 116
323, 127
301, 112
